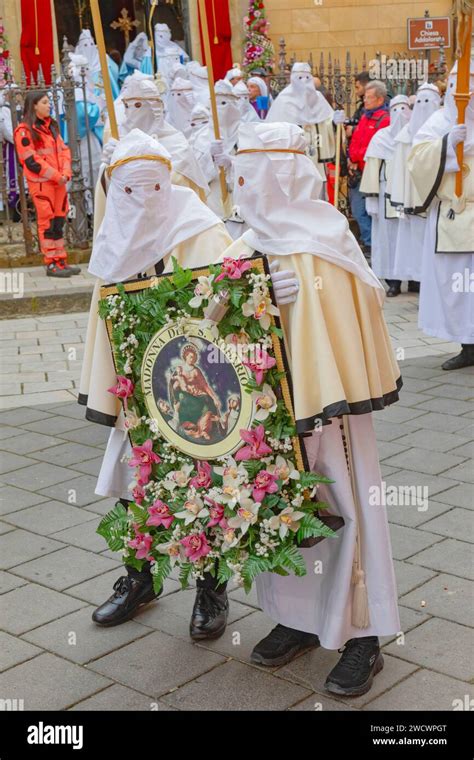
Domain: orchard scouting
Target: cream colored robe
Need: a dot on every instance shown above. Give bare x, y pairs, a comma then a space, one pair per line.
338, 348
446, 296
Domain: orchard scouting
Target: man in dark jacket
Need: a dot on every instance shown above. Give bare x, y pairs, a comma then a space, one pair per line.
375, 116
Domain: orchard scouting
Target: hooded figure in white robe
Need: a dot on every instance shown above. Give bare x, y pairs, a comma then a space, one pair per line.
181, 101
341, 363
301, 103
145, 110
378, 166
164, 45
135, 53
199, 79
228, 113
400, 189
87, 47
147, 222
247, 111
199, 140
446, 296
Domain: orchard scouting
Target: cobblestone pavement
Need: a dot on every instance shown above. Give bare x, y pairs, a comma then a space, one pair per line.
54, 568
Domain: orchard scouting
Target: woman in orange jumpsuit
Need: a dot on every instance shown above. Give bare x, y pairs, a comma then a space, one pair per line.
46, 163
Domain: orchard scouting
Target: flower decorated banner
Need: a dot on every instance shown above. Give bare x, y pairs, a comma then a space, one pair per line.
217, 471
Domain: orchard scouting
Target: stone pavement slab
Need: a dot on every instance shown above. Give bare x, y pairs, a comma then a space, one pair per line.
49, 460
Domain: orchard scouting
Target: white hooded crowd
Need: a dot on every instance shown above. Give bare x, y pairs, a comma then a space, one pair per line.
158, 196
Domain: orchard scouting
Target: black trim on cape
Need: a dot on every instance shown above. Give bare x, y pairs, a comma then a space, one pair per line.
346, 407
101, 418
82, 399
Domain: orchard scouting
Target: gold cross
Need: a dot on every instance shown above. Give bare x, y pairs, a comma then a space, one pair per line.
125, 24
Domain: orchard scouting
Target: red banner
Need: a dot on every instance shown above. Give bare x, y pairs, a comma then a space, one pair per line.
220, 33
36, 42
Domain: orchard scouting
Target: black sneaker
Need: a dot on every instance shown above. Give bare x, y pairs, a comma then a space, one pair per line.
353, 675
281, 645
210, 613
57, 269
129, 594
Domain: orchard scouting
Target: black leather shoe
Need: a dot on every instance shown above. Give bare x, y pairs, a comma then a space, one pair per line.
129, 594
281, 645
210, 613
464, 359
353, 675
413, 286
394, 290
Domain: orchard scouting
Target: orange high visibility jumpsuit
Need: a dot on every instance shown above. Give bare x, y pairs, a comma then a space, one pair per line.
44, 162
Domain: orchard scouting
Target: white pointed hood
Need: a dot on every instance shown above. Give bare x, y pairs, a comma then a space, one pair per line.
145, 215
277, 189
382, 145
300, 102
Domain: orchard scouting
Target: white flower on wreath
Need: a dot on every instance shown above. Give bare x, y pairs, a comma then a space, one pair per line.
232, 469
284, 470
230, 539
247, 515
202, 291
260, 307
288, 519
178, 478
173, 549
265, 402
193, 509
233, 494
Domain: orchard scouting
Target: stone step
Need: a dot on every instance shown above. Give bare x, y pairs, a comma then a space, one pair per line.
28, 291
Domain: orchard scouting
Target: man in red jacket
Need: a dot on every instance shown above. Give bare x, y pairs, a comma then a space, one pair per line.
375, 116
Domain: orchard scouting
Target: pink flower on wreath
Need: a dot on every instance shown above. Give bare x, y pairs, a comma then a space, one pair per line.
142, 544
233, 268
265, 482
256, 447
203, 478
259, 363
144, 458
124, 387
138, 494
160, 514
195, 546
216, 513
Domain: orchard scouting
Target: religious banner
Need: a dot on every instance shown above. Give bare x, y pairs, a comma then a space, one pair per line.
36, 42
220, 36
219, 477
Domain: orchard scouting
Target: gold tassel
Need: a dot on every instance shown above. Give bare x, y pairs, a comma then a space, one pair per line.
360, 599
360, 602
216, 38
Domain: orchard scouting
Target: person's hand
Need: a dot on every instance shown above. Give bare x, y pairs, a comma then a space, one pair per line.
285, 284
217, 147
223, 160
349, 130
339, 117
108, 149
457, 134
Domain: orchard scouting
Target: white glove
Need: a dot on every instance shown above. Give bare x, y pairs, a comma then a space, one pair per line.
108, 149
217, 147
285, 284
372, 205
339, 117
457, 134
224, 160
